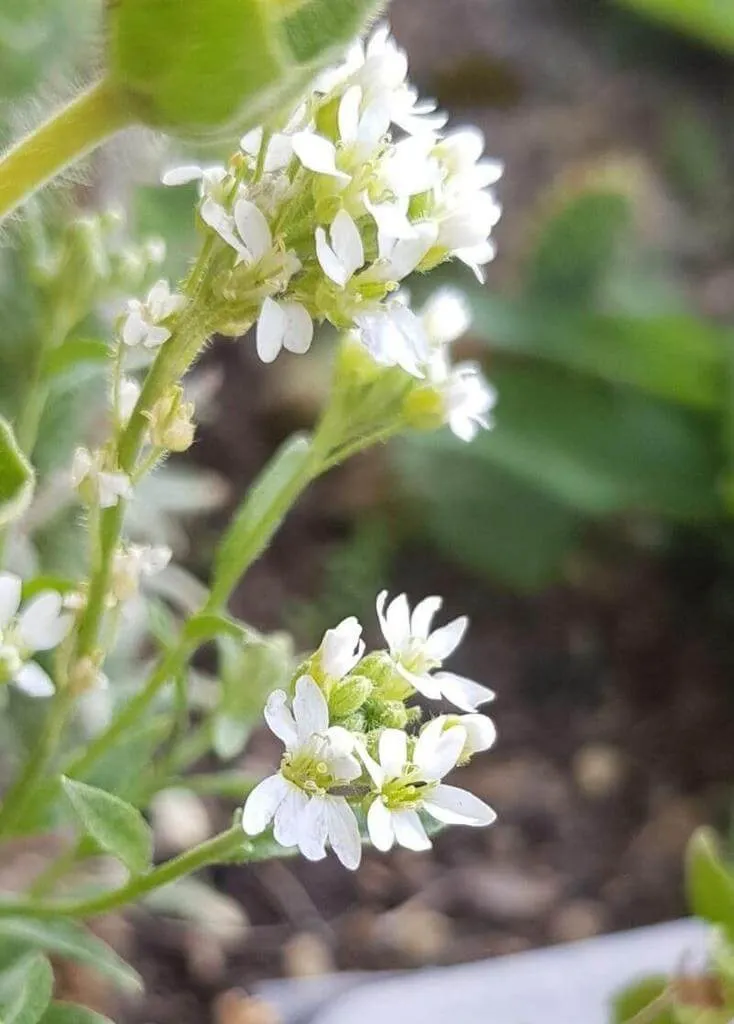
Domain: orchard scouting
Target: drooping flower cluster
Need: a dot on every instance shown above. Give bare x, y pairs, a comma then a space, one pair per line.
355, 751
324, 219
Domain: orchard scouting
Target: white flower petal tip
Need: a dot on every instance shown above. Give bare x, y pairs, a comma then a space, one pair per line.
283, 325
317, 154
342, 648
343, 255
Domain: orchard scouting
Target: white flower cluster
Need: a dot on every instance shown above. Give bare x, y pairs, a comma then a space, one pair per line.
41, 625
350, 751
324, 220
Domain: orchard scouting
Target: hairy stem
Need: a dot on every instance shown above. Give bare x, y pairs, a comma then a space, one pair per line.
68, 135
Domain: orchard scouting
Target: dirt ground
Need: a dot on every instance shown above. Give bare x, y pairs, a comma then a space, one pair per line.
614, 693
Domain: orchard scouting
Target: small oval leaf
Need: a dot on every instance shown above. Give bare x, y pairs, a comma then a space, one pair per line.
117, 826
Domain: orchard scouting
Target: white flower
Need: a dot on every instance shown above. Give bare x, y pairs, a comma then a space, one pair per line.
345, 255
446, 316
128, 395
278, 154
134, 561
212, 180
317, 154
480, 732
417, 651
342, 648
460, 153
399, 257
283, 325
391, 216
409, 167
142, 325
406, 785
394, 336
468, 400
246, 230
361, 127
297, 798
40, 626
109, 486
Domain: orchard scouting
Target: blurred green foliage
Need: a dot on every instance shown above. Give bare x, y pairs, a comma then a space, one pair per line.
711, 21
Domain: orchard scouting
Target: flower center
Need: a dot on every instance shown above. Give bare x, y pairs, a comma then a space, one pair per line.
406, 792
308, 769
11, 661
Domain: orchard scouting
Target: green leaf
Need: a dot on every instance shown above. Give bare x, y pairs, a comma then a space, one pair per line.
709, 20
72, 942
601, 450
483, 516
118, 827
260, 515
208, 626
709, 882
72, 1013
679, 358
75, 352
119, 771
25, 990
577, 246
640, 997
16, 476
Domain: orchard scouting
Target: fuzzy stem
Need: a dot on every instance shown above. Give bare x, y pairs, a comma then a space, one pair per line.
69, 134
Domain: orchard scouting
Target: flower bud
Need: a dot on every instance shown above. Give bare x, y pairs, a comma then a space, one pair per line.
424, 408
171, 422
209, 68
349, 695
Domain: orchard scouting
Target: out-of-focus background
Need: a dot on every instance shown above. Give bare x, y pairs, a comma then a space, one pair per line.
588, 536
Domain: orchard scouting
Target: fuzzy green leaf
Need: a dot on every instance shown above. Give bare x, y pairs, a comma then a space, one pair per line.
25, 990
709, 882
16, 476
117, 826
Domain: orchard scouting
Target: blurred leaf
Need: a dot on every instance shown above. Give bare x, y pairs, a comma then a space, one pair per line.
576, 248
482, 515
119, 770
74, 352
640, 997
709, 882
168, 213
118, 827
680, 358
25, 990
72, 942
16, 476
72, 1013
711, 21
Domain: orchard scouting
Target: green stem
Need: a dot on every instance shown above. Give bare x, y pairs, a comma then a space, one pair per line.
21, 792
69, 134
214, 851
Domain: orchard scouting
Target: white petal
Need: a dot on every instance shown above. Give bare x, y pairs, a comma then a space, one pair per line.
310, 709
379, 826
436, 755
423, 682
348, 115
374, 123
251, 142
280, 719
42, 625
446, 316
329, 261
10, 590
134, 328
409, 831
454, 806
423, 613
271, 327
182, 175
253, 228
317, 154
463, 692
288, 816
407, 253
347, 242
33, 681
111, 487
298, 333
155, 336
262, 803
342, 648
480, 730
343, 832
397, 620
213, 214
312, 829
444, 641
393, 750
391, 217
374, 770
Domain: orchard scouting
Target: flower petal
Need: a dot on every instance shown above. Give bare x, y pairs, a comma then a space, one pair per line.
182, 175
287, 823
409, 831
312, 829
422, 617
454, 806
374, 770
270, 331
343, 832
380, 826
33, 681
253, 228
329, 261
310, 709
10, 590
317, 154
298, 333
480, 732
348, 115
280, 719
463, 692
347, 242
393, 751
444, 641
262, 803
437, 753
42, 625
395, 621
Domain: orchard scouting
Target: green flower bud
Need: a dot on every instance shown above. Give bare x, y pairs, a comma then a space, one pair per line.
349, 695
211, 68
171, 421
